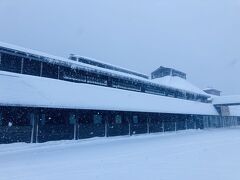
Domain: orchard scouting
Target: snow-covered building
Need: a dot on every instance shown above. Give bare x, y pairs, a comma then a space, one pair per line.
44, 97
212, 91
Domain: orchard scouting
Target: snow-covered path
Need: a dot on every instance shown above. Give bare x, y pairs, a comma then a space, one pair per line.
189, 155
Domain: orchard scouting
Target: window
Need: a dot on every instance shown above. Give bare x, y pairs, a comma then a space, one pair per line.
124, 84
10, 63
31, 67
16, 117
118, 119
135, 120
190, 96
43, 119
31, 118
72, 119
50, 70
154, 90
1, 121
97, 119
97, 79
74, 75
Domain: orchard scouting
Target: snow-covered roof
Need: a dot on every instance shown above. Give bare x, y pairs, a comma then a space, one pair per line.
226, 100
31, 91
108, 64
234, 110
209, 89
180, 83
52, 58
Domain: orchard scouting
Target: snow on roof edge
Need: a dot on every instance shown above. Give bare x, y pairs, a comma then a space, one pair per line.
50, 93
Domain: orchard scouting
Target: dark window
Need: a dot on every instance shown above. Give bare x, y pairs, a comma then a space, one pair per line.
74, 75
97, 119
85, 118
50, 70
190, 96
10, 63
1, 122
125, 84
72, 118
42, 119
55, 117
118, 119
31, 67
135, 120
15, 117
97, 79
31, 118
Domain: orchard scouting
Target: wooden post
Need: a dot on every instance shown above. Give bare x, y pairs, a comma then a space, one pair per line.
129, 126
58, 72
75, 131
186, 124
176, 126
37, 129
195, 123
41, 69
22, 66
163, 127
148, 124
106, 126
1, 118
32, 120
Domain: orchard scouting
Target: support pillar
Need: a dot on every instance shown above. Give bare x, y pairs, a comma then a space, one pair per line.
148, 125
34, 122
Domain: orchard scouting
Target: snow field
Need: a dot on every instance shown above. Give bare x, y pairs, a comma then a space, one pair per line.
185, 155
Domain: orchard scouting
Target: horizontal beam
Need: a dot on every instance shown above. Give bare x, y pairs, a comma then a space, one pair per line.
228, 104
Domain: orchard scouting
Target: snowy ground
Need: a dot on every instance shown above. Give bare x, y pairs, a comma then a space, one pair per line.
189, 155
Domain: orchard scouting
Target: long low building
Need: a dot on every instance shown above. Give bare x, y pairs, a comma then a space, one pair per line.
44, 98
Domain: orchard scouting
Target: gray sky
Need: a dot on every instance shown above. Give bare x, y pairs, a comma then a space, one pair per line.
200, 37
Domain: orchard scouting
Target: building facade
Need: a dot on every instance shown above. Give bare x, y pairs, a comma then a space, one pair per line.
45, 98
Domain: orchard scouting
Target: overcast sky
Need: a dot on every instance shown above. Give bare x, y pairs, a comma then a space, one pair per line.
199, 37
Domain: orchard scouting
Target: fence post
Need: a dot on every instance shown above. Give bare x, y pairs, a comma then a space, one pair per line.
148, 124
186, 124
163, 126
34, 117
106, 126
129, 126
175, 125
32, 120
75, 130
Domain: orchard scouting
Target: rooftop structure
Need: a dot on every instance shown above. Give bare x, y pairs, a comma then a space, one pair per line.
212, 91
104, 65
164, 71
